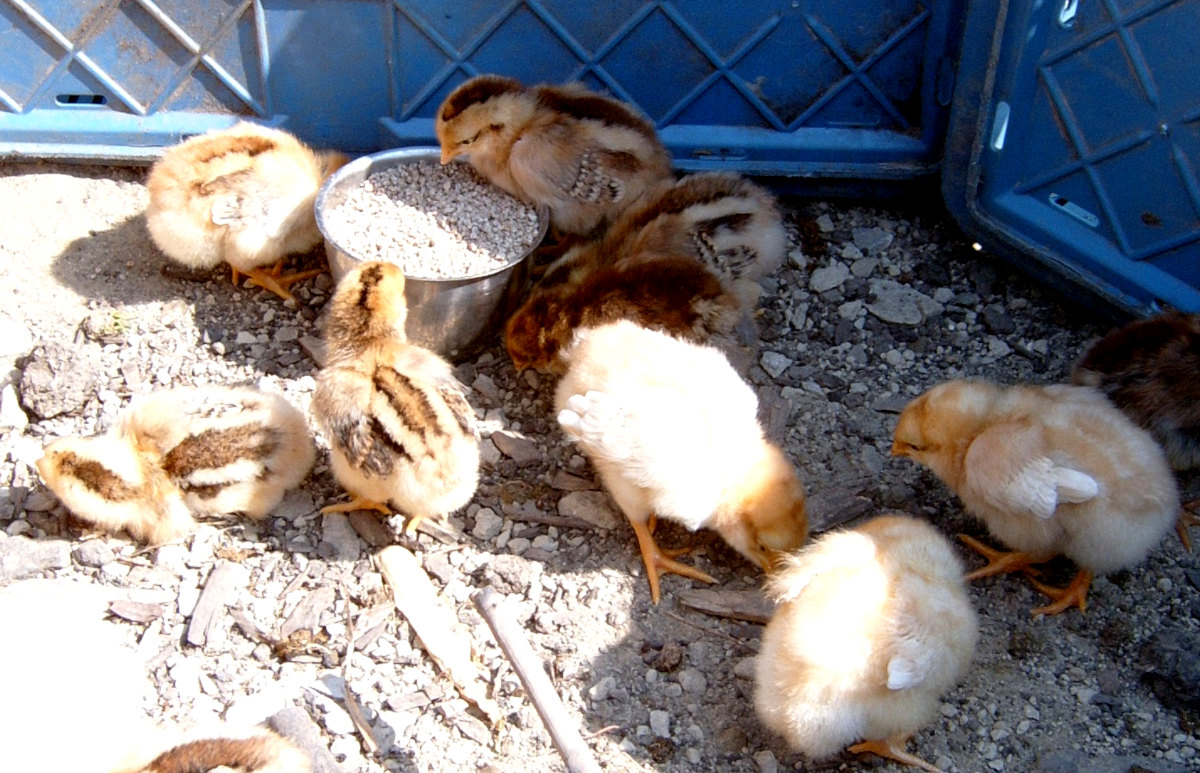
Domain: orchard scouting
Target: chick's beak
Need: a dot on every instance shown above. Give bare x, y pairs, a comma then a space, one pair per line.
447, 155
897, 450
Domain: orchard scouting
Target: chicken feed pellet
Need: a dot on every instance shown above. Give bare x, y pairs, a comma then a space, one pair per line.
434, 221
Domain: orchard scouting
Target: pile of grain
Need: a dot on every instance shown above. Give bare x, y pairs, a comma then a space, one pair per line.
434, 221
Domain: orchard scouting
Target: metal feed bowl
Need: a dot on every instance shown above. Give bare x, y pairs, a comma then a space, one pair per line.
453, 317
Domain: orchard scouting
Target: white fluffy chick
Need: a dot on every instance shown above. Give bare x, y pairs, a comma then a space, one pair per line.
673, 431
180, 452
401, 432
1051, 470
873, 626
243, 196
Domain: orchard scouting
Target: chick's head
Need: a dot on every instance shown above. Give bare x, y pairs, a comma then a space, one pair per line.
936, 428
769, 517
368, 306
479, 117
537, 331
329, 161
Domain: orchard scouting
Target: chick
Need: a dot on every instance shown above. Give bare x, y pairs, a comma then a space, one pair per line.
180, 452
1149, 369
583, 156
1050, 470
673, 293
258, 751
242, 196
872, 626
400, 430
727, 222
673, 432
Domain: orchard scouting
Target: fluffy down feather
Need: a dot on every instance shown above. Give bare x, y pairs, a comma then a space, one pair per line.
1049, 469
583, 156
179, 452
400, 430
673, 432
873, 626
242, 196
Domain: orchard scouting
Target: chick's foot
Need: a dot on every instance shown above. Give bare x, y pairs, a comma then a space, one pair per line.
358, 503
999, 561
1187, 519
1074, 595
893, 749
657, 562
275, 280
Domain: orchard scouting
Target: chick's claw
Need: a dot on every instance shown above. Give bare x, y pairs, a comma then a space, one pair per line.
657, 562
358, 503
893, 749
1074, 595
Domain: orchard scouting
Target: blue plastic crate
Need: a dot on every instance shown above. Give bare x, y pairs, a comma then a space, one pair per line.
857, 89
1074, 146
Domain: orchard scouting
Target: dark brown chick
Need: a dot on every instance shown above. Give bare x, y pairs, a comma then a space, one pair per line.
1149, 369
672, 293
583, 156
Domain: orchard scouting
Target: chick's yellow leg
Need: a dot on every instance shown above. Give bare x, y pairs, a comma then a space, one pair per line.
277, 282
1074, 595
657, 562
999, 561
1187, 519
893, 749
358, 503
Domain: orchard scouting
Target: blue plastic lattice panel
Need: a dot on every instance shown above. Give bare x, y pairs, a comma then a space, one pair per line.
1088, 157
853, 89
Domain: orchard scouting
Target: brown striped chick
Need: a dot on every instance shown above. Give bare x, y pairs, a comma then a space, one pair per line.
674, 433
1149, 369
1050, 470
258, 751
242, 196
401, 432
582, 156
872, 626
673, 293
181, 452
727, 222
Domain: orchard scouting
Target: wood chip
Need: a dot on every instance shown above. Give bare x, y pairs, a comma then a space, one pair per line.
224, 579
373, 531
307, 614
436, 625
136, 611
749, 605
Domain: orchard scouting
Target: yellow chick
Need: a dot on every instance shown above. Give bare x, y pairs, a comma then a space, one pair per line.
401, 432
1050, 470
242, 196
181, 452
258, 751
583, 156
673, 431
872, 626
725, 221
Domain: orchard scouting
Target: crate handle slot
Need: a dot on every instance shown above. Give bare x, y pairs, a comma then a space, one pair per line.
85, 100
1066, 14
1074, 210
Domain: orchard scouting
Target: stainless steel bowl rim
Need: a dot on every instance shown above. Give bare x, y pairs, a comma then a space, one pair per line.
360, 165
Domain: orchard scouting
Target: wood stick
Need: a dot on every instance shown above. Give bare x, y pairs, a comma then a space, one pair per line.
352, 706
529, 668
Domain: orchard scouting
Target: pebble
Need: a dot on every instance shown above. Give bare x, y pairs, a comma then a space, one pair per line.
487, 524
94, 553
339, 540
873, 239
775, 363
595, 507
692, 681
828, 277
766, 761
900, 304
11, 415
21, 557
660, 723
519, 448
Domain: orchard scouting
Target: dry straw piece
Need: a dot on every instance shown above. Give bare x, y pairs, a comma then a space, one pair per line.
434, 221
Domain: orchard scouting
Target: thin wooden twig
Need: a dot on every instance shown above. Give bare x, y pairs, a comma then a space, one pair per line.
718, 634
352, 708
529, 668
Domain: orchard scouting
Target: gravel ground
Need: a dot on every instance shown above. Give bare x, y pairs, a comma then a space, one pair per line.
873, 305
